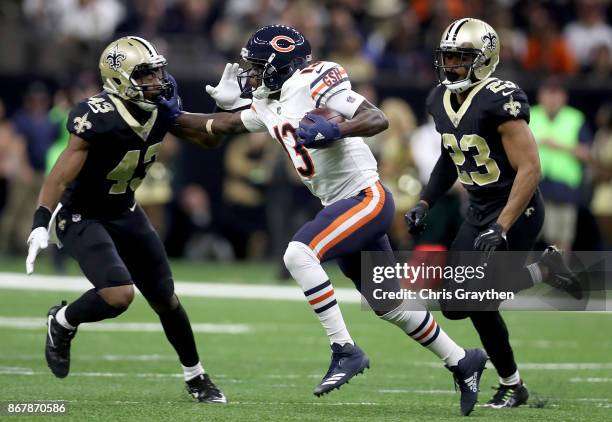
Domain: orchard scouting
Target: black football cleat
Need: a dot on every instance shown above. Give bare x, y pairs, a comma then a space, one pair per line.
509, 396
467, 375
204, 390
559, 274
347, 361
57, 348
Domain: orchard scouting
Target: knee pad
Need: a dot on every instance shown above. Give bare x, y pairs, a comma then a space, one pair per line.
298, 255
455, 315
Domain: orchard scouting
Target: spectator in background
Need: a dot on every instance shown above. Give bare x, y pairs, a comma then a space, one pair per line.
348, 51
425, 147
513, 42
599, 71
547, 52
588, 33
38, 133
563, 137
395, 162
248, 161
602, 173
11, 149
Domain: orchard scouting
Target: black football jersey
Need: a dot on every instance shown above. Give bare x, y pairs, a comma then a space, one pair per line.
121, 149
470, 137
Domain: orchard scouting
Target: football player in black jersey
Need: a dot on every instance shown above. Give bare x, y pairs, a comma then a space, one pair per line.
115, 137
488, 146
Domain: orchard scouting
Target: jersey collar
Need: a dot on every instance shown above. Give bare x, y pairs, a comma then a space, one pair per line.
456, 116
142, 130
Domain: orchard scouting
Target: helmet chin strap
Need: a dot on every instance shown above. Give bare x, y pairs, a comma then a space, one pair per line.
462, 85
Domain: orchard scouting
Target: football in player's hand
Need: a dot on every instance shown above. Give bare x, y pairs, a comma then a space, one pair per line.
329, 114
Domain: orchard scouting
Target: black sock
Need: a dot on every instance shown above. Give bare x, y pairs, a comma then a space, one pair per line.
90, 307
495, 338
179, 334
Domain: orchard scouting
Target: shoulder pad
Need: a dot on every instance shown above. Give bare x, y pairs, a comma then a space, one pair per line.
92, 116
504, 100
325, 79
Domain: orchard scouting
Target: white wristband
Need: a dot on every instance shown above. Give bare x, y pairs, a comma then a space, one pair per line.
208, 126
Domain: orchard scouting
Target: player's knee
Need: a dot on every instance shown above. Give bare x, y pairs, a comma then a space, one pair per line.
454, 315
297, 255
119, 297
166, 305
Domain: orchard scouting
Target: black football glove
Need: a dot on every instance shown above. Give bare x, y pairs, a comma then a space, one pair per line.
491, 239
415, 218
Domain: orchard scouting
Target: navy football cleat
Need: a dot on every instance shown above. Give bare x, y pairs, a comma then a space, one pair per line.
347, 361
57, 348
204, 390
509, 396
559, 274
467, 375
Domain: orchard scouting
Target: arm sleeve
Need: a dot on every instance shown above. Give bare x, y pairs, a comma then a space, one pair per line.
251, 120
441, 180
346, 102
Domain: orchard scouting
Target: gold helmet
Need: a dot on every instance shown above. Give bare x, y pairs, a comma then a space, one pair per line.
470, 38
124, 61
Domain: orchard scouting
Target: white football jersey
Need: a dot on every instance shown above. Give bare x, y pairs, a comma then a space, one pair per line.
337, 172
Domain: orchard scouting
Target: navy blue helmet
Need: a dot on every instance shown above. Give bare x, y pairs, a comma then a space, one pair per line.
275, 52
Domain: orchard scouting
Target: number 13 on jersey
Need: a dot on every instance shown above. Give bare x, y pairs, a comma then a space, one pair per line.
299, 155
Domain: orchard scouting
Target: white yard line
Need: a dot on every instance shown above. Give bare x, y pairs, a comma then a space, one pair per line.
37, 323
220, 290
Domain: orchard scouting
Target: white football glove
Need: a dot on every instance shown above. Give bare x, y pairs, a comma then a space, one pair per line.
227, 92
38, 240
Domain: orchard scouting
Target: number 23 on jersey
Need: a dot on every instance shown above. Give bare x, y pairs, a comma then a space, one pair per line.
482, 159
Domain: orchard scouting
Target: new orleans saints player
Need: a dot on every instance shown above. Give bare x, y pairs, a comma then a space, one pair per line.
488, 146
115, 137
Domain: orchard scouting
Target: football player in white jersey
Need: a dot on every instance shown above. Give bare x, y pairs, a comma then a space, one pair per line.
339, 168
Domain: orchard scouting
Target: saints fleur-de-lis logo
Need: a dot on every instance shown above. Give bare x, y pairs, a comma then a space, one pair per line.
490, 41
512, 107
81, 124
115, 57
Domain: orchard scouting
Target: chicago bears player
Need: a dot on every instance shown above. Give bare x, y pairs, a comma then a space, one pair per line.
115, 137
487, 144
337, 166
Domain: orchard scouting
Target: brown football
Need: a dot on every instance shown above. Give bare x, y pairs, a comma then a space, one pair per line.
328, 113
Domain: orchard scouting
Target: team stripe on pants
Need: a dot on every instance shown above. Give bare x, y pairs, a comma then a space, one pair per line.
427, 332
321, 297
350, 221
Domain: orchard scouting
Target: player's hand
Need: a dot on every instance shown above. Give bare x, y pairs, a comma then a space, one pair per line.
492, 239
227, 92
38, 240
320, 133
415, 218
169, 105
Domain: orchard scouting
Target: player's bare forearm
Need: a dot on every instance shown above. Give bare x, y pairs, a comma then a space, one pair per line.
211, 124
65, 170
522, 152
196, 136
367, 121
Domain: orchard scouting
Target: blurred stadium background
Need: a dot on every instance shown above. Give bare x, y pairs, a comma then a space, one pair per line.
242, 202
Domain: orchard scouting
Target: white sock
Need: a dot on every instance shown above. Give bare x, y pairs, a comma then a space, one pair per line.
511, 380
306, 269
535, 272
421, 326
190, 372
60, 317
